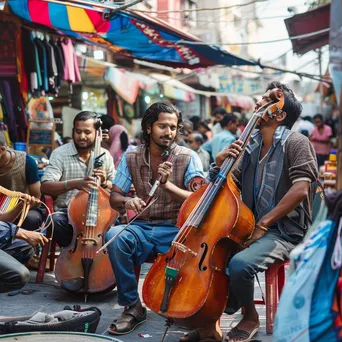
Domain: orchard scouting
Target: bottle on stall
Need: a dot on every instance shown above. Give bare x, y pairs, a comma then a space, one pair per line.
330, 167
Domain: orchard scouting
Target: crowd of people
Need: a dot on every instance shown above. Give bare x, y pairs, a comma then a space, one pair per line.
280, 197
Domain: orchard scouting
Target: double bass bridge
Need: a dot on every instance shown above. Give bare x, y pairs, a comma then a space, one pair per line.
86, 240
184, 249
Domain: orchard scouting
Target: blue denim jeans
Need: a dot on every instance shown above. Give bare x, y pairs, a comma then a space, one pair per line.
136, 244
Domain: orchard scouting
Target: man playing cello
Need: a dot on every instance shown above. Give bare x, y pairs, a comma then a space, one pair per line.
283, 166
155, 229
70, 170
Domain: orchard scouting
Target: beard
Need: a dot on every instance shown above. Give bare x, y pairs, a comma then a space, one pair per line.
85, 146
160, 143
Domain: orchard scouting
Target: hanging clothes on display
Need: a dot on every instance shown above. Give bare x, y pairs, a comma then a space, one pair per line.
42, 56
59, 59
71, 70
14, 109
48, 61
4, 127
31, 62
8, 66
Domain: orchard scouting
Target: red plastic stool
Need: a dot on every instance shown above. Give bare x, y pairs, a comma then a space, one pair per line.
274, 283
49, 250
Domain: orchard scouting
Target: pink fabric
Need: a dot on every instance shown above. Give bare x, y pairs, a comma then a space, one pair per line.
115, 146
71, 70
321, 142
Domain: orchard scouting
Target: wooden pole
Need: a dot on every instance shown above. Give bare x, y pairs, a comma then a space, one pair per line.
321, 95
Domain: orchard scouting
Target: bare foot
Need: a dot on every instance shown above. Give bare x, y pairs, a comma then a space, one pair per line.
245, 329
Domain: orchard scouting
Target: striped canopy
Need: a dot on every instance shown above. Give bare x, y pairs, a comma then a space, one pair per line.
127, 33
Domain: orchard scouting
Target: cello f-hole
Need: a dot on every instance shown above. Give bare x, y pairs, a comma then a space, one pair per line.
102, 236
205, 251
76, 243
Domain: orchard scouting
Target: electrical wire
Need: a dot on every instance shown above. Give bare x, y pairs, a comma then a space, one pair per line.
282, 55
307, 35
202, 9
225, 21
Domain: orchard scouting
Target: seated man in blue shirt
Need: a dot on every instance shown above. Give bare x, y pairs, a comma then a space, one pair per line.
223, 139
154, 230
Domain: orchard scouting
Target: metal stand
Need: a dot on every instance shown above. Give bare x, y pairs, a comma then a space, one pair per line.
168, 324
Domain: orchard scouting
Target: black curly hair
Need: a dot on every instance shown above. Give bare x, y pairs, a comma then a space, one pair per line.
87, 115
151, 116
292, 107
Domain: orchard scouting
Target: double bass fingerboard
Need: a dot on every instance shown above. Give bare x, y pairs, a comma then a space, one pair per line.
92, 209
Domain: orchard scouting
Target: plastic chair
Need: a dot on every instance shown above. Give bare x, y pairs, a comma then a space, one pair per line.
274, 283
49, 250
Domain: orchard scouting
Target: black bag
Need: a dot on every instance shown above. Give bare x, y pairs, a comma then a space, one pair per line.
83, 320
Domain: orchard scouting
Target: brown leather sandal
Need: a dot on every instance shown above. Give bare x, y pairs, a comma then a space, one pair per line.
241, 335
127, 322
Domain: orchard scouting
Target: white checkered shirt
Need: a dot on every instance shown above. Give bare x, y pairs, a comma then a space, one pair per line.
65, 164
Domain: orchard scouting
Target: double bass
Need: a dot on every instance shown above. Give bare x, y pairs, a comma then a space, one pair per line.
188, 285
79, 268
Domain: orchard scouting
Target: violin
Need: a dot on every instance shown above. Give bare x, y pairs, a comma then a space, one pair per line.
79, 268
188, 285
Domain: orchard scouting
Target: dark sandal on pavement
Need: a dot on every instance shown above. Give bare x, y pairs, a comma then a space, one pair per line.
194, 336
241, 335
127, 322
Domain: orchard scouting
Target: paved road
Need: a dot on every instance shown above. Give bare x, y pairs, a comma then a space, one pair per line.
48, 297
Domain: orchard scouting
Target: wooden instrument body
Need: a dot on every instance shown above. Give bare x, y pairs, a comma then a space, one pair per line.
200, 292
86, 241
188, 284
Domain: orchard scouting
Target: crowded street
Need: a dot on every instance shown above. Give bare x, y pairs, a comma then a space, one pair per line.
171, 170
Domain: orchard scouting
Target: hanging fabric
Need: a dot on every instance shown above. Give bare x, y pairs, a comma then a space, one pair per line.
71, 70
8, 67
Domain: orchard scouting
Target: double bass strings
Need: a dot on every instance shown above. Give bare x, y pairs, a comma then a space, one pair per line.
210, 191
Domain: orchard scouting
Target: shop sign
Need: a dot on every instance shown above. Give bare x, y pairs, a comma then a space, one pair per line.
239, 85
190, 109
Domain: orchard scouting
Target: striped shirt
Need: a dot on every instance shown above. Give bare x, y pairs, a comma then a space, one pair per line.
65, 164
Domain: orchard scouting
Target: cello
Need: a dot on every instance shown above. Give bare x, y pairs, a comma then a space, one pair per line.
188, 285
79, 268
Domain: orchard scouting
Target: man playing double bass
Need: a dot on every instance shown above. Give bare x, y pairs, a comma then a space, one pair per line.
71, 170
283, 166
154, 230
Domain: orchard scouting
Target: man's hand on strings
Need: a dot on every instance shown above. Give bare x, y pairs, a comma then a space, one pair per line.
34, 239
32, 201
85, 184
136, 204
101, 174
258, 232
164, 170
233, 150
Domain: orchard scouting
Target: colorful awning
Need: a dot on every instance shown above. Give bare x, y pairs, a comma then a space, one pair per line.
127, 33
308, 22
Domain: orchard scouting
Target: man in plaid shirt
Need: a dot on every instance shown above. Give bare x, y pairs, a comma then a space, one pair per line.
70, 170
